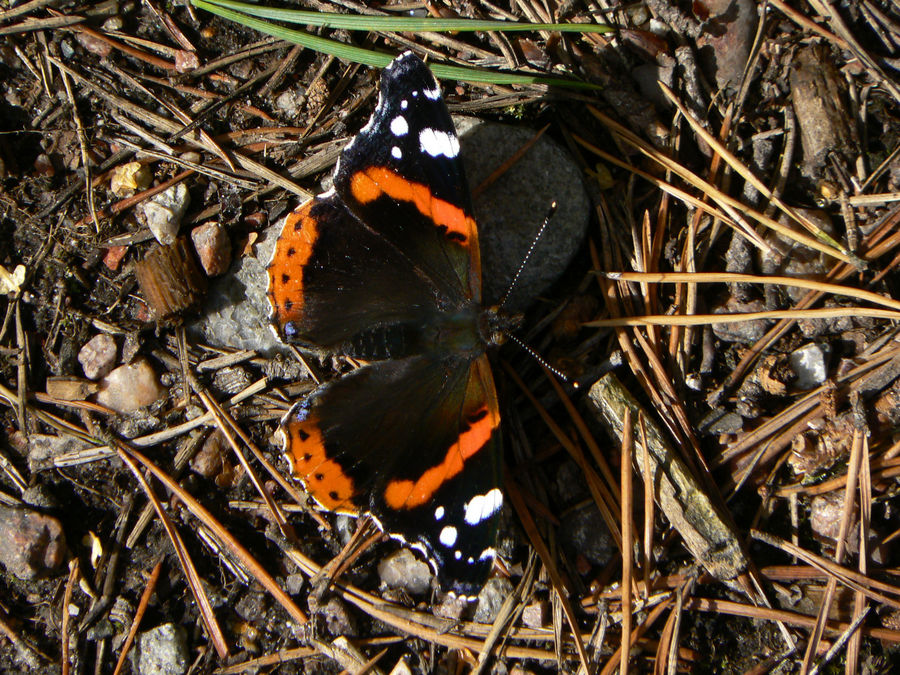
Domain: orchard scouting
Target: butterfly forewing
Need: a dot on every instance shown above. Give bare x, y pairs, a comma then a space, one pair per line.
403, 177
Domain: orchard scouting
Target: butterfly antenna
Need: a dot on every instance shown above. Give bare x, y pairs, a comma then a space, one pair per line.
537, 357
534, 242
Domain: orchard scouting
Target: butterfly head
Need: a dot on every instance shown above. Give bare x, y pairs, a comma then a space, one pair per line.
497, 324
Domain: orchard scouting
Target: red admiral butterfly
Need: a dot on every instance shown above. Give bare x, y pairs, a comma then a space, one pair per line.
385, 268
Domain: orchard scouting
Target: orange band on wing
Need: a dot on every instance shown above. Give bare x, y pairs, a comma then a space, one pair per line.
324, 478
292, 251
372, 183
408, 494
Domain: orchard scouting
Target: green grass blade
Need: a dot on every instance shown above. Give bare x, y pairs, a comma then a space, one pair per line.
400, 23
378, 59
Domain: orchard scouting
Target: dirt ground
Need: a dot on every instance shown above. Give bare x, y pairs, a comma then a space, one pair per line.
148, 511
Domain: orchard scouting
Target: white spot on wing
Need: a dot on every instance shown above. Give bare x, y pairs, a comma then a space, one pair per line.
433, 94
436, 142
439, 513
457, 554
399, 127
404, 104
396, 153
488, 554
448, 536
482, 507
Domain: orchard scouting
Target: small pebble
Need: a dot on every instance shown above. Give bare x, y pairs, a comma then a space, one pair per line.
403, 569
113, 23
491, 598
251, 606
213, 248
43, 449
94, 44
98, 356
163, 212
161, 651
34, 544
825, 512
583, 531
210, 460
746, 332
293, 583
138, 423
290, 101
43, 165
66, 50
786, 257
41, 497
127, 178
810, 363
256, 220
338, 620
131, 387
536, 614
451, 607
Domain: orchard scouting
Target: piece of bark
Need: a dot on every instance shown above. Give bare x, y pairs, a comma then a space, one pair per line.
676, 491
817, 94
170, 280
67, 388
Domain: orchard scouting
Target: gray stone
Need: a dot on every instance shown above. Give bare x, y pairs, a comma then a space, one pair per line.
236, 313
491, 598
510, 211
338, 620
584, 531
161, 651
745, 332
44, 448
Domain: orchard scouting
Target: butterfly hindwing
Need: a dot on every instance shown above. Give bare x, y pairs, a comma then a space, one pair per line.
426, 469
